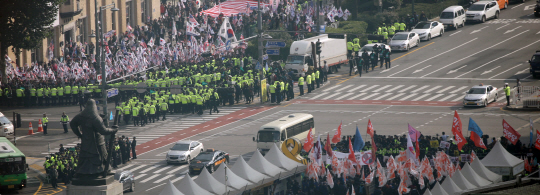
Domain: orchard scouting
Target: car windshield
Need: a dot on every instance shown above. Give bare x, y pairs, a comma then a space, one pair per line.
7, 168
295, 59
447, 15
204, 157
477, 91
366, 48
400, 37
423, 26
181, 147
268, 136
533, 59
477, 7
4, 120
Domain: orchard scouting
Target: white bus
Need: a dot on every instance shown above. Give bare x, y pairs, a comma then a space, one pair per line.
294, 125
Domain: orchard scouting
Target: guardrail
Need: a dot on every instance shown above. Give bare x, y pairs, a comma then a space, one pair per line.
526, 96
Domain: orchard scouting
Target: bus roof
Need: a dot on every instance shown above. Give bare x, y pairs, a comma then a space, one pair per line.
7, 149
287, 121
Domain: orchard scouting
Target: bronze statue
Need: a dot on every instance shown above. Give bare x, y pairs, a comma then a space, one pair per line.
89, 127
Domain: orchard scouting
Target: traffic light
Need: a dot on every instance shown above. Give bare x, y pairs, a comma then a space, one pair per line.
319, 47
18, 123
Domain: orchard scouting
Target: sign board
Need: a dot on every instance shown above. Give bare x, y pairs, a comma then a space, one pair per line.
275, 44
465, 158
265, 57
434, 143
272, 51
141, 87
444, 145
112, 92
264, 93
99, 78
322, 28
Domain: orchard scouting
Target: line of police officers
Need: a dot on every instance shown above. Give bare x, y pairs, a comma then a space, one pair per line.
47, 94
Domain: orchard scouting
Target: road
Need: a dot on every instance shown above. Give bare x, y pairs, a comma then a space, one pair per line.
423, 88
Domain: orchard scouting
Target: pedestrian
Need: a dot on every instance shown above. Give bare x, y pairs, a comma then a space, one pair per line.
133, 144
301, 85
325, 72
163, 107
45, 121
507, 93
65, 121
444, 136
54, 176
518, 86
351, 67
387, 59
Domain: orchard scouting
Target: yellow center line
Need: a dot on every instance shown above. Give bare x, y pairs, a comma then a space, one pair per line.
411, 52
40, 185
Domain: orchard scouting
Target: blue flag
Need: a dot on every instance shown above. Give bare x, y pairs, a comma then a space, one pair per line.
111, 118
475, 128
358, 141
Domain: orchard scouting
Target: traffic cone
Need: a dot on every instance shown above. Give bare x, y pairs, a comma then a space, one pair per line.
30, 129
40, 126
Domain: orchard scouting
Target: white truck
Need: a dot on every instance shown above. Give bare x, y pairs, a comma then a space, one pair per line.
333, 51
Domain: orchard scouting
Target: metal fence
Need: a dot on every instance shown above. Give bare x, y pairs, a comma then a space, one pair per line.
526, 96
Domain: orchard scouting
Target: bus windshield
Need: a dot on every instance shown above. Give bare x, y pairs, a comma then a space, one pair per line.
268, 136
8, 168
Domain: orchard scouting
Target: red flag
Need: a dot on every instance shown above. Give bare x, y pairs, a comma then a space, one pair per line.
337, 134
527, 166
537, 143
478, 142
510, 133
417, 149
456, 130
308, 144
351, 153
328, 146
370, 130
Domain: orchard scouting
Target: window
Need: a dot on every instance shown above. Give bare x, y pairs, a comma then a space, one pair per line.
68, 2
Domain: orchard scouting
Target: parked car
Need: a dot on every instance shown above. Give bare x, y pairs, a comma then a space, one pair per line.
404, 41
482, 11
369, 47
210, 159
6, 127
184, 151
480, 95
503, 4
453, 17
428, 29
126, 178
534, 63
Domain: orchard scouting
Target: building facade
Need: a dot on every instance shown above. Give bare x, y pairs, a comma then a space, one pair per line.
76, 21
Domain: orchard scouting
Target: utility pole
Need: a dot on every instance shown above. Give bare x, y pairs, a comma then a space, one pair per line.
318, 17
259, 28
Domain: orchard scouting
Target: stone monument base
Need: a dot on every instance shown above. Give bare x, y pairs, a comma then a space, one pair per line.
113, 188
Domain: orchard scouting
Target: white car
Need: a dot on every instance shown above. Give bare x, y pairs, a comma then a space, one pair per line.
480, 95
482, 11
6, 127
369, 48
428, 29
404, 41
184, 151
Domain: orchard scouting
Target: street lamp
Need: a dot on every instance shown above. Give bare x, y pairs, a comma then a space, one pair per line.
100, 59
93, 35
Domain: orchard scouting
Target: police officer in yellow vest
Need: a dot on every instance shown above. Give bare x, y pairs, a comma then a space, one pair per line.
507, 93
301, 85
272, 93
356, 46
64, 120
163, 107
135, 115
317, 74
152, 111
127, 113
199, 104
45, 122
308, 82
349, 48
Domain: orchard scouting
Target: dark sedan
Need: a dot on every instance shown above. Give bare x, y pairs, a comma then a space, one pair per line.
211, 159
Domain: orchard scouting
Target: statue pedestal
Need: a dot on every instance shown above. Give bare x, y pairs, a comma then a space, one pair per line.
113, 188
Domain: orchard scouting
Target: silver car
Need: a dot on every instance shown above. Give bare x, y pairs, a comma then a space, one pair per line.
369, 48
404, 41
184, 151
6, 127
480, 95
126, 179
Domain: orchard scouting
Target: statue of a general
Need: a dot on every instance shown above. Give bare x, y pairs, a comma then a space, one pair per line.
89, 127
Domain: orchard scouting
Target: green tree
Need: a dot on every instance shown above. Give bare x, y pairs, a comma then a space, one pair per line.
25, 23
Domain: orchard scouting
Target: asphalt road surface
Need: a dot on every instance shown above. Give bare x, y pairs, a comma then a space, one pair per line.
423, 88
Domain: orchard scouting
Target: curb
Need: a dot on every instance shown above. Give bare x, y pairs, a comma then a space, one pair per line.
519, 109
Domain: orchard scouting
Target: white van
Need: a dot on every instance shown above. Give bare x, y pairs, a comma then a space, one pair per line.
453, 17
6, 127
295, 125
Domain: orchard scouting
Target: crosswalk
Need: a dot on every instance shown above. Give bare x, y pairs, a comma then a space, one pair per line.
392, 92
162, 128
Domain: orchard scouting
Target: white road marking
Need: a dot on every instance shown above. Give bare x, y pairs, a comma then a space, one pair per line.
496, 59
422, 96
332, 87
369, 96
139, 176
523, 71
382, 96
389, 69
356, 88
433, 88
434, 97
155, 187
407, 97
146, 170
369, 88
403, 90
506, 71
344, 88
395, 88
396, 96
361, 94
175, 180
422, 69
343, 96
315, 97
455, 33
149, 178
176, 169
445, 89
328, 97
474, 53
459, 99
419, 89
163, 178
488, 71
478, 30
382, 88
447, 97
442, 53
528, 7
512, 30
517, 6
502, 26
455, 70
162, 169
459, 89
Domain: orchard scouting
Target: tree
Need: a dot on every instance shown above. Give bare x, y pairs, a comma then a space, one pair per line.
25, 23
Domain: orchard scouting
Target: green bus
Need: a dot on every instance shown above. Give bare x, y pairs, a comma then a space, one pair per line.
13, 166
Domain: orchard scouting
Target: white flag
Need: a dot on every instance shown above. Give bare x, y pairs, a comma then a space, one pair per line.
226, 30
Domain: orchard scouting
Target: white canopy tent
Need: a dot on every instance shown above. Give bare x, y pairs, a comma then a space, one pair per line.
450, 187
479, 167
261, 165
209, 183
233, 180
189, 187
169, 189
427, 192
461, 181
276, 157
242, 169
473, 177
501, 162
438, 190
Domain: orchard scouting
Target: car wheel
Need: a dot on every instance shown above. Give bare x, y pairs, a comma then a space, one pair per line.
505, 5
428, 37
495, 99
483, 19
463, 24
485, 103
132, 187
497, 15
442, 31
212, 169
456, 26
418, 43
408, 48
188, 160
